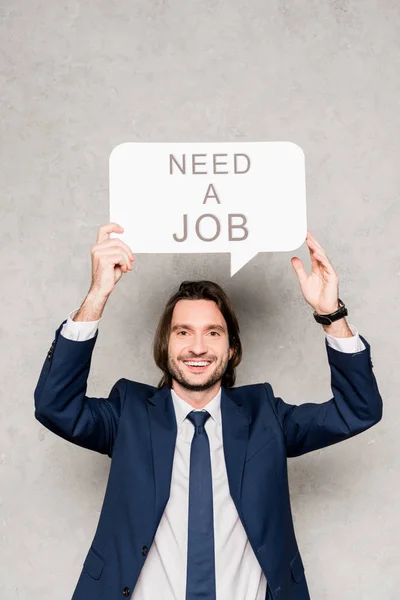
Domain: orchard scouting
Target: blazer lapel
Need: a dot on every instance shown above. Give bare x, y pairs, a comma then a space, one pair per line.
236, 419
163, 432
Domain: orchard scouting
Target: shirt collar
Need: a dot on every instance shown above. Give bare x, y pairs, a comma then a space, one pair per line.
182, 408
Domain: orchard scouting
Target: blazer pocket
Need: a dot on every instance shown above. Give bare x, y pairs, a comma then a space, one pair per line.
93, 564
296, 564
262, 439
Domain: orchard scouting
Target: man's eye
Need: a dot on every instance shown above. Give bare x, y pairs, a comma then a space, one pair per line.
216, 332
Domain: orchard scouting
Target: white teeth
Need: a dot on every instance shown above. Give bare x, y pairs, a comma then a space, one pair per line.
197, 364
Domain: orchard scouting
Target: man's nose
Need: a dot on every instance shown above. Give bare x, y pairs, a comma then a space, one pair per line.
198, 345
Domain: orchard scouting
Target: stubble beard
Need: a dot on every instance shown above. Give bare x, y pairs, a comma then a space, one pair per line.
178, 374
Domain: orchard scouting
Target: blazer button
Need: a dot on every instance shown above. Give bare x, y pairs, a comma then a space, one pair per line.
144, 550
126, 591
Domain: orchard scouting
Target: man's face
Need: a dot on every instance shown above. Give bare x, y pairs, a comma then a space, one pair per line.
198, 333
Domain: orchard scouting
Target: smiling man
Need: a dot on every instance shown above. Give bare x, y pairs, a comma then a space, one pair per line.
198, 350
197, 503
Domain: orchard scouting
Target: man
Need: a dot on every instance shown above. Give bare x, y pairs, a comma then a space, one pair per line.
197, 503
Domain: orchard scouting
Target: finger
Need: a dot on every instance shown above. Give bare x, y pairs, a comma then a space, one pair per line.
111, 246
314, 249
312, 243
117, 260
105, 230
312, 237
325, 262
120, 243
315, 266
121, 257
300, 270
317, 247
121, 260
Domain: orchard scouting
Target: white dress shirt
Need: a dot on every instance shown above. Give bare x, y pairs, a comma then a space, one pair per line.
238, 573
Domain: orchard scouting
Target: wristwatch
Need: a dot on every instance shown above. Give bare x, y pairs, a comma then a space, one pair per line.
328, 319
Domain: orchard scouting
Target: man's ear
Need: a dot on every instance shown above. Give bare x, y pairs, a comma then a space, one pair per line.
230, 353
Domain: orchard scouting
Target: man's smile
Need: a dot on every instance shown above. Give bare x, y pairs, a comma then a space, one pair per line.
197, 366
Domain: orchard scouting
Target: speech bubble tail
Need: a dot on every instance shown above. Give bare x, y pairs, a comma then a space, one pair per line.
239, 259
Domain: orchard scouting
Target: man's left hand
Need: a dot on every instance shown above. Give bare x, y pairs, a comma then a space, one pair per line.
321, 288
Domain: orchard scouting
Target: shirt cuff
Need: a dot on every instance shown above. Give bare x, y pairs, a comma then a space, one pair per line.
350, 344
79, 331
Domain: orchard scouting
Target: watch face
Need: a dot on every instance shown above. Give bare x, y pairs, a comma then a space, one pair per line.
322, 319
325, 321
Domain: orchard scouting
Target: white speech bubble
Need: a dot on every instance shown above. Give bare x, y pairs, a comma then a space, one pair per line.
201, 197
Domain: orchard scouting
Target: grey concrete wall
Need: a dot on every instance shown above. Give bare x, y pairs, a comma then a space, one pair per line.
78, 78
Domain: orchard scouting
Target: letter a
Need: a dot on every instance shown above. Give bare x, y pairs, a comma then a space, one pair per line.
209, 195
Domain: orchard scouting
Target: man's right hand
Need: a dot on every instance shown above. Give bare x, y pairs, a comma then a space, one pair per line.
111, 257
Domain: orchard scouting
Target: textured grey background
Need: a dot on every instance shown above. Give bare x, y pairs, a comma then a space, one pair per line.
79, 78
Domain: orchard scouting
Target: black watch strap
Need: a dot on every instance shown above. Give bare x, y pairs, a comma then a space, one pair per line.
328, 319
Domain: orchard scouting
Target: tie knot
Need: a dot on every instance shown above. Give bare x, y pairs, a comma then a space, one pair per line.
198, 418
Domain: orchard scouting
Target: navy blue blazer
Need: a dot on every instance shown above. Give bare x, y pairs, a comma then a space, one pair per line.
136, 427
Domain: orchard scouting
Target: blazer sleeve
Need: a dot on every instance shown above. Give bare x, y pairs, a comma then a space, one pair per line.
61, 404
355, 407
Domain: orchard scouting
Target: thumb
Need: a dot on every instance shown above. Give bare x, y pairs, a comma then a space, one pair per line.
300, 271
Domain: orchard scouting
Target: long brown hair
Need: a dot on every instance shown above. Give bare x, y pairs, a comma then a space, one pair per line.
197, 290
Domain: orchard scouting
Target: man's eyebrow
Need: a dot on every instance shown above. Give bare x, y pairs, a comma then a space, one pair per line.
206, 328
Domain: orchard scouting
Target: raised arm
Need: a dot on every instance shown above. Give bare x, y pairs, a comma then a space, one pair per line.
61, 403
356, 404
355, 407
